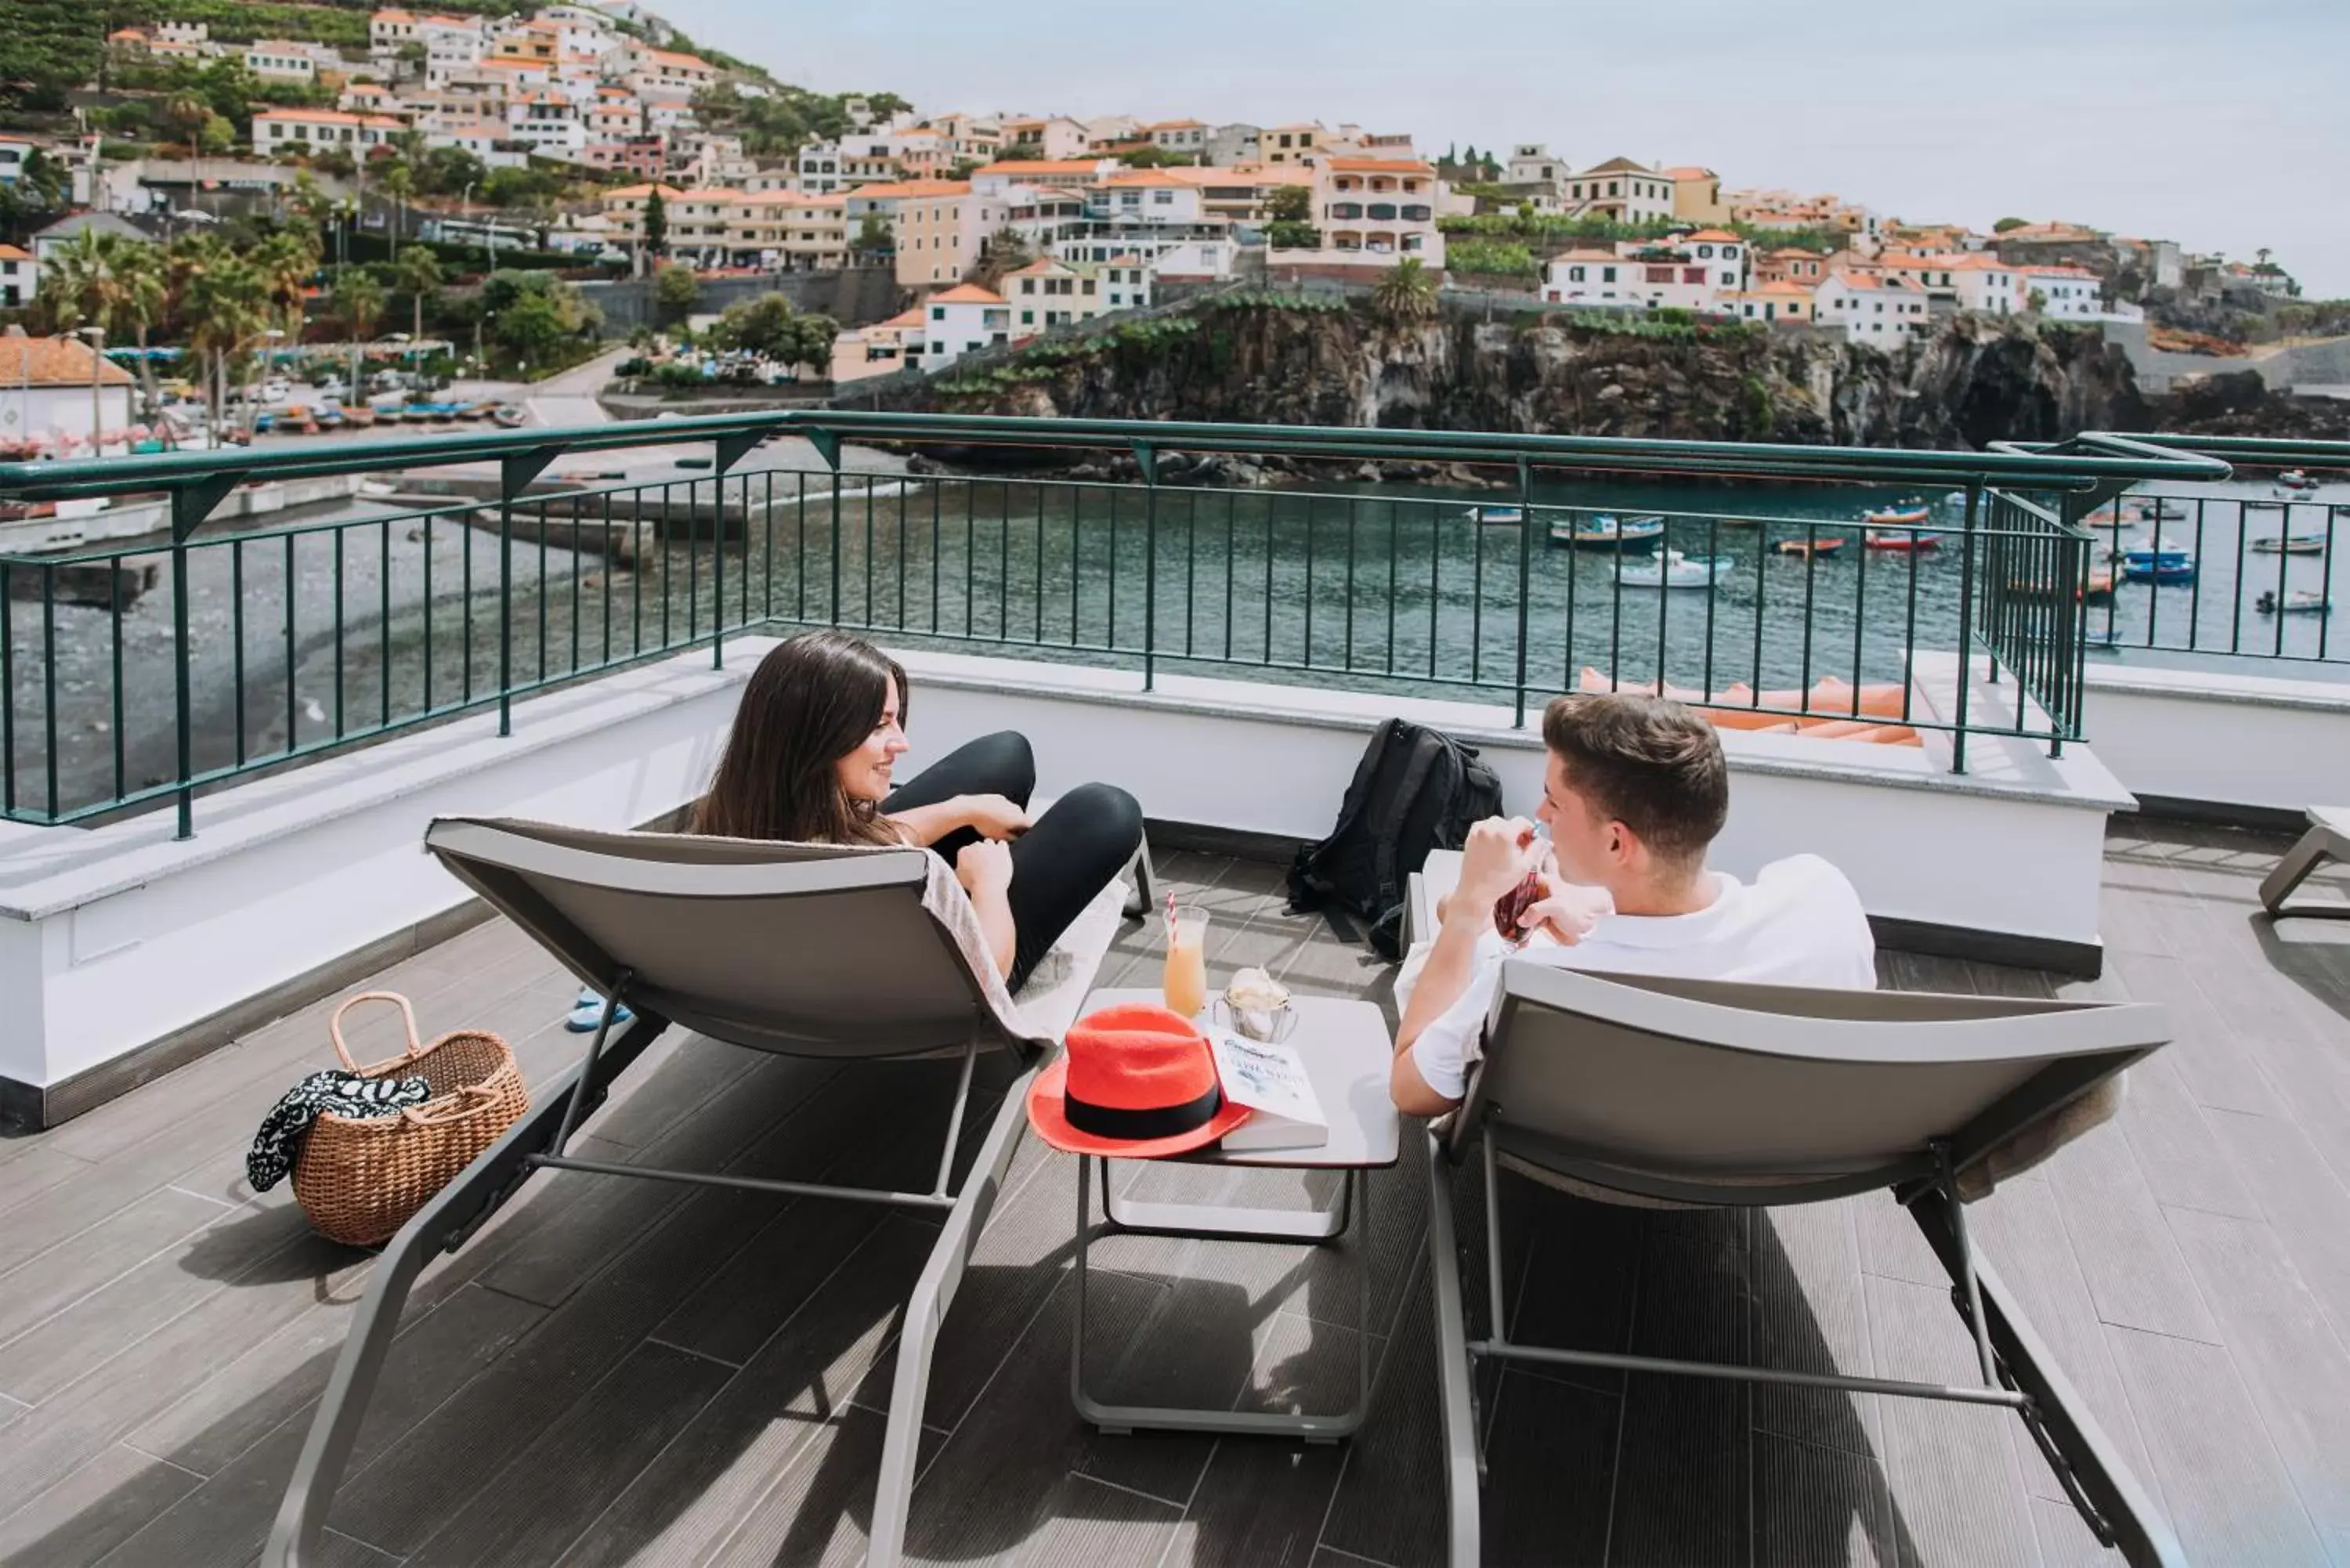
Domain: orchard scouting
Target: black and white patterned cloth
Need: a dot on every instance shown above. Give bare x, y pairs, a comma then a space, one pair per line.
279, 1142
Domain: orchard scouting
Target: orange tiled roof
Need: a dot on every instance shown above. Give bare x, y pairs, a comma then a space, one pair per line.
1713, 234
1381, 166
330, 117
1690, 171
963, 294
1039, 166
54, 362
895, 189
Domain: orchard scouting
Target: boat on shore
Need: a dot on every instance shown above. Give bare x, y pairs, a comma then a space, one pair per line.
1605, 530
1818, 545
1671, 569
1912, 540
2300, 601
1496, 517
2309, 543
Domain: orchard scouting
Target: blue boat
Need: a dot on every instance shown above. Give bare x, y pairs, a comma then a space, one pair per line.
1604, 531
2157, 563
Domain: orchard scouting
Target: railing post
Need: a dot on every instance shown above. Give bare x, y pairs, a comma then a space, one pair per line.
1966, 623
1526, 583
191, 504
515, 475
1146, 457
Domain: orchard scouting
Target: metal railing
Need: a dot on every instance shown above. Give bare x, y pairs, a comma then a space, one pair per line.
2248, 568
148, 670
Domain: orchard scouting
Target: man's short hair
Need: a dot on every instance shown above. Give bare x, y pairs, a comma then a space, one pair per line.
1651, 763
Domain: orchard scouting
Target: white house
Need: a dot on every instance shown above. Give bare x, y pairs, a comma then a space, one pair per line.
491, 141
1622, 190
962, 320
1531, 164
276, 60
1050, 137
1050, 292
1591, 278
45, 393
1882, 309
1177, 136
1193, 261
1145, 196
20, 277
2066, 293
878, 349
279, 130
1376, 210
13, 155
548, 121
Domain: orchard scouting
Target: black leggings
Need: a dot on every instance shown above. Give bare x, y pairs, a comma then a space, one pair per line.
1064, 860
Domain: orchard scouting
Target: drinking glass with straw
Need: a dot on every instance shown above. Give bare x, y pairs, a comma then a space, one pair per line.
1185, 982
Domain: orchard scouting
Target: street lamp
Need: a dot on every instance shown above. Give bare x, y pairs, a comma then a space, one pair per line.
96, 335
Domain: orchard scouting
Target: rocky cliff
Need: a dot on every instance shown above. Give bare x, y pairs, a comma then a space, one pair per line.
1331, 362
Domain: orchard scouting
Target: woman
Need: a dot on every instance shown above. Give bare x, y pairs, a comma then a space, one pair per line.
812, 759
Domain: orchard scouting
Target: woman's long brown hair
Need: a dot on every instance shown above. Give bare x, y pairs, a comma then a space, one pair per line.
812, 700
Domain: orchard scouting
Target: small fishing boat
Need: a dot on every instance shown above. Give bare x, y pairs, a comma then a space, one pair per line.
1817, 545
359, 416
1896, 516
2294, 479
1672, 569
2312, 544
2300, 601
2096, 588
1913, 541
505, 416
1496, 516
1604, 531
2157, 563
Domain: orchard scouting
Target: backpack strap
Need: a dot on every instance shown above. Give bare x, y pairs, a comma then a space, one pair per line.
1437, 748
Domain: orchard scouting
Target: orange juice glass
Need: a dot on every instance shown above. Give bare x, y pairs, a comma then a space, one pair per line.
1186, 977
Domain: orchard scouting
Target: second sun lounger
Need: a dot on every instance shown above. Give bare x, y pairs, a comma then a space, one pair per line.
2328, 838
1684, 1091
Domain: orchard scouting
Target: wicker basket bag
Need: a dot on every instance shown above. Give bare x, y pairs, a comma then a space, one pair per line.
359, 1179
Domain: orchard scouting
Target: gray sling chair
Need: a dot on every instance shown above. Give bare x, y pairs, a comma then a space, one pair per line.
796, 949
1707, 1093
2328, 838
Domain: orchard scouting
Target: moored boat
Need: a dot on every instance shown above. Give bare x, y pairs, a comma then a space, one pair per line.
2294, 479
1898, 516
2300, 601
1496, 517
1911, 540
2310, 543
1605, 530
2157, 563
1672, 569
1817, 545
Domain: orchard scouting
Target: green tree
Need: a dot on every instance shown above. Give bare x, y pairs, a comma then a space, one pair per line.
358, 300
397, 181
419, 270
185, 113
215, 137
674, 289
1290, 205
655, 224
815, 336
286, 261
142, 294
226, 305
2004, 224
873, 235
1406, 294
2036, 301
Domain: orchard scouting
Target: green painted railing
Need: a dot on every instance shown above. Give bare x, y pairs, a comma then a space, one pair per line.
256, 647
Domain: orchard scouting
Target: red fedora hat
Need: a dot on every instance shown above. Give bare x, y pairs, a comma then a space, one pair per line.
1136, 1082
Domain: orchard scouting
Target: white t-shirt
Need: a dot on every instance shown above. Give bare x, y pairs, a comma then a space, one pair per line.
1799, 924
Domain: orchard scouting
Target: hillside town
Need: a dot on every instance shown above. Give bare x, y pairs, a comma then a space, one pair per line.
600, 145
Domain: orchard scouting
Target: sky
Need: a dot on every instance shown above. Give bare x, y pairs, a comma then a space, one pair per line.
2222, 124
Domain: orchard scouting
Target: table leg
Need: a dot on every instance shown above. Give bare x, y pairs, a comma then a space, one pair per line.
1125, 1418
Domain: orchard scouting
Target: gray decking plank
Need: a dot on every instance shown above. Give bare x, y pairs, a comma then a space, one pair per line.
1816, 1506
819, 1511
1682, 1465
2203, 1050
1809, 1316
2229, 1497
1389, 1505
696, 1491
1552, 1473
2293, 1366
1582, 1266
102, 1505
2304, 1200
224, 1522
52, 1281
2171, 1138
1958, 1494
1086, 1524
2135, 1273
597, 1447
2023, 1236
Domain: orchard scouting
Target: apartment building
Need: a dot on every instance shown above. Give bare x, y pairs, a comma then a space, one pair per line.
1052, 139
943, 229
624, 209
276, 131
1382, 208
1621, 191
1052, 292
1883, 310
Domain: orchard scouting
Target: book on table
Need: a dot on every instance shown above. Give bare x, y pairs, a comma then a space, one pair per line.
1271, 1082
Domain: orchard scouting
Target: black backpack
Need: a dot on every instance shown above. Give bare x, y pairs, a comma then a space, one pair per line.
1414, 790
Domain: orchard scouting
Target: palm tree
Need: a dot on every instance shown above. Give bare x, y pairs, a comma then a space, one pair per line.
226, 305
1406, 295
312, 203
141, 295
81, 284
399, 184
360, 300
419, 270
286, 261
189, 110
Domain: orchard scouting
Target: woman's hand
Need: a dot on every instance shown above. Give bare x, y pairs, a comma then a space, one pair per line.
994, 816
984, 868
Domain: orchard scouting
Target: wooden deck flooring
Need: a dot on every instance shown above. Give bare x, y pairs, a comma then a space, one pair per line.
625, 1372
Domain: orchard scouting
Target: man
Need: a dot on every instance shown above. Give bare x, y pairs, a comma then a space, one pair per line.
1634, 791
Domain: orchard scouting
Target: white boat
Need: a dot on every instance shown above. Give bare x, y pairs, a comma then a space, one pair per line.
2300, 601
1672, 569
1496, 516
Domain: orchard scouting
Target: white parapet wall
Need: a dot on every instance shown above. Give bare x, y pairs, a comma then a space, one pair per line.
2247, 738
124, 951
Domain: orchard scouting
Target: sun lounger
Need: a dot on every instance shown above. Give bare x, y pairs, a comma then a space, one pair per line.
808, 950
1665, 1092
2328, 838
